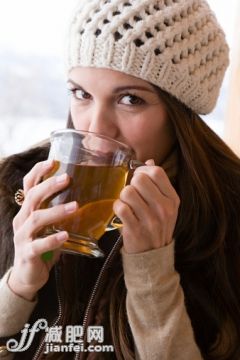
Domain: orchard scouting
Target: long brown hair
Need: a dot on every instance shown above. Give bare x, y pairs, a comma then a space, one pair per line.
208, 231
207, 239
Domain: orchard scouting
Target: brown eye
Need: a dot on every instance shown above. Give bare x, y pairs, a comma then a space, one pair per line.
130, 99
80, 94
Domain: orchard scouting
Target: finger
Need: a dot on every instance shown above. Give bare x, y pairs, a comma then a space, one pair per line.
130, 196
39, 246
56, 255
52, 257
148, 190
44, 190
36, 173
159, 178
38, 194
125, 213
43, 217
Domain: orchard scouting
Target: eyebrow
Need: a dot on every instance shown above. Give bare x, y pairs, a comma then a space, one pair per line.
120, 88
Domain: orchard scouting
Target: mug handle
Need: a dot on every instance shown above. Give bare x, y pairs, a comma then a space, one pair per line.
116, 222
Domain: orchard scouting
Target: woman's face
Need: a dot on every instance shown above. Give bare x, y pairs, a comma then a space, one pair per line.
123, 107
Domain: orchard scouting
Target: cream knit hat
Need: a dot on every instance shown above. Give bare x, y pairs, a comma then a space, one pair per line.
177, 45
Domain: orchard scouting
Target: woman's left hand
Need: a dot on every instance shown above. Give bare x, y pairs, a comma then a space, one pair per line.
148, 209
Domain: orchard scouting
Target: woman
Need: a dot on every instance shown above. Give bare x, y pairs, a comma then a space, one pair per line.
139, 72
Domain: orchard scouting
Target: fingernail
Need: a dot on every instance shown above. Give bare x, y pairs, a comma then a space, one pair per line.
48, 163
47, 256
71, 207
61, 178
62, 236
150, 162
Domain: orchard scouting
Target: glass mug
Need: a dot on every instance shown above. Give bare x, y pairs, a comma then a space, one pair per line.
98, 167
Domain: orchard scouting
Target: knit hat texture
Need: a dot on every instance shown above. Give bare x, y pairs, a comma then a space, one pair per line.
177, 45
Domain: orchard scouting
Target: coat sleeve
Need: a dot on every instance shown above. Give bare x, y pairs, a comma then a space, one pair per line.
156, 310
14, 310
14, 313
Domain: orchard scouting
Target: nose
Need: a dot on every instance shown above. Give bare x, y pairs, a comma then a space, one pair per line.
102, 120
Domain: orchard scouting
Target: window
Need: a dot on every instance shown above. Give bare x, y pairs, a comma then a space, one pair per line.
33, 98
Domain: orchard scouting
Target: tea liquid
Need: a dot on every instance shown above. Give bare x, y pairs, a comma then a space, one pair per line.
95, 188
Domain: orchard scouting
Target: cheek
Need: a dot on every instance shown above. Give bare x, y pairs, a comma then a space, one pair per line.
151, 138
139, 138
132, 133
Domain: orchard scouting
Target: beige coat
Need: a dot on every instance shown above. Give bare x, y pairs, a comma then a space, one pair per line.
156, 311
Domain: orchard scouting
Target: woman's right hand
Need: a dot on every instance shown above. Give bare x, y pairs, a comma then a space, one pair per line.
30, 272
